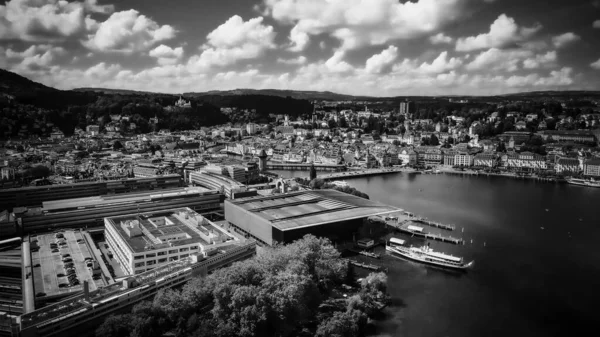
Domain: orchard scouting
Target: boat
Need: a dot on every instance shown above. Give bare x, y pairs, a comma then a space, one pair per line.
424, 254
583, 182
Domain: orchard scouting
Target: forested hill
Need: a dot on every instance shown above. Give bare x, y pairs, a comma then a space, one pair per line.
298, 94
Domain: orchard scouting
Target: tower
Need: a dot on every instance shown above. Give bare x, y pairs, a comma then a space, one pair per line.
262, 161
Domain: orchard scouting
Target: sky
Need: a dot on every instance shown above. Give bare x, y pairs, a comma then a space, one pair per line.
356, 47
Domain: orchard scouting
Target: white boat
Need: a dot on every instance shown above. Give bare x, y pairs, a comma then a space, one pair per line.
424, 254
340, 183
583, 182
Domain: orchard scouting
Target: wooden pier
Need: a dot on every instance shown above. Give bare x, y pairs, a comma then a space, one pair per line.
359, 173
435, 224
364, 253
436, 237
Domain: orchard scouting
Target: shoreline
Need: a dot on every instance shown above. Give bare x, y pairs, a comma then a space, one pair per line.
504, 175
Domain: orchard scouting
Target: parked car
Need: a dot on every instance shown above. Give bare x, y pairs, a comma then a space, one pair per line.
60, 275
55, 250
63, 285
80, 241
40, 294
67, 259
66, 255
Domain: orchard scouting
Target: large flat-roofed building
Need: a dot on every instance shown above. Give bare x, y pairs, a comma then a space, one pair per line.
142, 242
91, 211
287, 217
36, 195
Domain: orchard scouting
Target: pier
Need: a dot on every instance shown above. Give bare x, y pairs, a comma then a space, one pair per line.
403, 227
435, 224
364, 253
303, 167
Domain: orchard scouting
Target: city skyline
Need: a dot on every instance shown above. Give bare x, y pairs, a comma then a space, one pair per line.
375, 48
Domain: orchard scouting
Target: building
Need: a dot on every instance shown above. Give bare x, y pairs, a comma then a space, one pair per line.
37, 195
567, 165
407, 108
429, 155
591, 167
463, 159
146, 170
92, 130
251, 128
485, 160
91, 211
229, 187
145, 241
577, 136
287, 217
449, 157
526, 160
181, 103
408, 157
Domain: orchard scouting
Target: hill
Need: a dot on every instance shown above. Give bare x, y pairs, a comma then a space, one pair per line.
116, 91
297, 94
19, 86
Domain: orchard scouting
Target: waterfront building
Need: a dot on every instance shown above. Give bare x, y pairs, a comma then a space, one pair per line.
449, 156
251, 128
286, 217
145, 241
407, 156
567, 165
463, 159
429, 155
485, 160
591, 167
526, 160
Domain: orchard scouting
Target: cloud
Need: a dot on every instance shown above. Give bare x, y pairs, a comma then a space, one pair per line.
336, 63
358, 23
440, 38
46, 21
596, 65
565, 39
441, 64
166, 55
128, 31
232, 41
499, 59
297, 60
540, 60
378, 62
504, 32
596, 24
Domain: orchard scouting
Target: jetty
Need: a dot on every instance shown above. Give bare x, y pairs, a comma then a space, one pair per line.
435, 224
407, 228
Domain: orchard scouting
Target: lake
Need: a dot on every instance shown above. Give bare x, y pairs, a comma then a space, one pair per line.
536, 251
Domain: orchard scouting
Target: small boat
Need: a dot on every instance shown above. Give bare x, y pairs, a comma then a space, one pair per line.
583, 182
547, 210
424, 254
542, 228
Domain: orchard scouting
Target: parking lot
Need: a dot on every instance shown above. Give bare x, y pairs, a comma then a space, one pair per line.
48, 264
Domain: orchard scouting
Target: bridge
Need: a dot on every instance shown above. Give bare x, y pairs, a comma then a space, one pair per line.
304, 167
360, 173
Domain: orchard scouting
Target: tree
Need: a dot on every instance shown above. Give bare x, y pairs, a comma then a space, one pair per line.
114, 325
350, 323
38, 171
117, 145
313, 172
433, 140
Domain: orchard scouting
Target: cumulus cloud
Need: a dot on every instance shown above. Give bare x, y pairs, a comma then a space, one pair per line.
499, 59
32, 60
441, 64
440, 38
596, 65
128, 31
504, 32
297, 60
357, 23
565, 39
540, 60
378, 62
166, 55
50, 20
232, 41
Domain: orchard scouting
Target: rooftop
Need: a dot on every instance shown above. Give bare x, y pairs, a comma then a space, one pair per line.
311, 208
171, 228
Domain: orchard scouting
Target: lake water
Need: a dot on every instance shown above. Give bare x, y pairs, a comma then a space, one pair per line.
527, 280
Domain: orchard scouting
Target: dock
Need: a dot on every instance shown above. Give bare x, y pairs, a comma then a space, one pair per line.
364, 253
435, 224
403, 227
